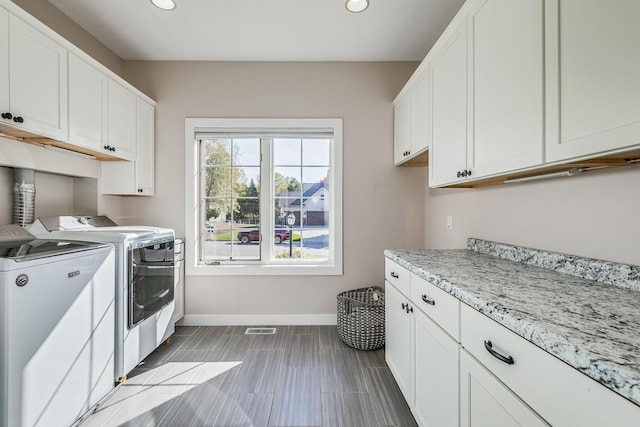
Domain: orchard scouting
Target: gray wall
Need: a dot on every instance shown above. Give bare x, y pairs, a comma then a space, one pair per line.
595, 215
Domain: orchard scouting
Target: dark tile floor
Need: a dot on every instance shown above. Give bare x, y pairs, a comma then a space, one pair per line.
220, 377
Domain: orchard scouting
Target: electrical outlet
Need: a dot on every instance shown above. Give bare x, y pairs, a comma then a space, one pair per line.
449, 222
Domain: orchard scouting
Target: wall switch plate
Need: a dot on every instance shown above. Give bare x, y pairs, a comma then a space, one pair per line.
449, 222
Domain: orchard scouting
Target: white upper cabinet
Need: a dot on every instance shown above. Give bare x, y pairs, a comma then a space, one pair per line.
145, 149
506, 88
593, 89
4, 64
121, 122
401, 129
411, 116
87, 105
448, 150
37, 80
420, 116
487, 99
134, 178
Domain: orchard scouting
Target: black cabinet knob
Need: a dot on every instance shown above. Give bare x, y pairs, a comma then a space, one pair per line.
18, 119
7, 116
468, 173
139, 190
464, 174
459, 174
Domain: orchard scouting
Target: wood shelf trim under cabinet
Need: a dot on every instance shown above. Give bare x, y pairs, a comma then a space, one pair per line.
421, 159
41, 141
607, 162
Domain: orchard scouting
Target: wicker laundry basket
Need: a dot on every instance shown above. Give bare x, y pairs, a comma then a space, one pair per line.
361, 317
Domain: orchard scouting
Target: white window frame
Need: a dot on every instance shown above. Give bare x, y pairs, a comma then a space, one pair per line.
192, 197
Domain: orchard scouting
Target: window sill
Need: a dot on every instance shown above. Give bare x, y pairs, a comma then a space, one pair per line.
263, 270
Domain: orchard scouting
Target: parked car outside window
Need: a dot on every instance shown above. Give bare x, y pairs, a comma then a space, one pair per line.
253, 235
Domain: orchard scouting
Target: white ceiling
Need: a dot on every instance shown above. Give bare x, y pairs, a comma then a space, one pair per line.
264, 30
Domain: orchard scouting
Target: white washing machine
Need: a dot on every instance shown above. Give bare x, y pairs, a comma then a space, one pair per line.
57, 312
145, 271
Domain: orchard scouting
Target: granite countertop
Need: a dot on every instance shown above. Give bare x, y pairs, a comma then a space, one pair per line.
591, 324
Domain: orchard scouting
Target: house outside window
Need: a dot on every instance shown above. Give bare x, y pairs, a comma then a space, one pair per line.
245, 178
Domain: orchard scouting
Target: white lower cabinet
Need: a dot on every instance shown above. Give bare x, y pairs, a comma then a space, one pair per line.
485, 401
421, 355
436, 374
399, 331
486, 376
560, 394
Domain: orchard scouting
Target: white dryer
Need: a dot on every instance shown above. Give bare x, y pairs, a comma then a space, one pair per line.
57, 312
145, 271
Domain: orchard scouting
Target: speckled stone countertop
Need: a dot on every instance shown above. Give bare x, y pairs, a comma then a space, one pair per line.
591, 325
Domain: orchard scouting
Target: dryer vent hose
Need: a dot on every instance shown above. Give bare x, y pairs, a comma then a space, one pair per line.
24, 196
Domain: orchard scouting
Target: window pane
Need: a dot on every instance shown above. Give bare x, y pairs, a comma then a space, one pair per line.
217, 151
246, 151
231, 199
215, 241
246, 245
315, 243
315, 174
287, 151
315, 152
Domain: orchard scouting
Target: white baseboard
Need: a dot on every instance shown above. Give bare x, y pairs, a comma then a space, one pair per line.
257, 319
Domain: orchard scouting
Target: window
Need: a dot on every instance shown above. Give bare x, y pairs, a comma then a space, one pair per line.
264, 196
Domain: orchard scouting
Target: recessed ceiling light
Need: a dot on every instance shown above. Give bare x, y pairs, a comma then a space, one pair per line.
164, 4
356, 6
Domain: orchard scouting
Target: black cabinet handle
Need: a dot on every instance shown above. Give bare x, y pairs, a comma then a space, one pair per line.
409, 309
464, 173
18, 119
428, 300
7, 116
404, 305
468, 173
506, 359
394, 275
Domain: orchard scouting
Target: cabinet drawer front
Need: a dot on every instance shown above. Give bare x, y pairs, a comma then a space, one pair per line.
437, 304
561, 394
398, 276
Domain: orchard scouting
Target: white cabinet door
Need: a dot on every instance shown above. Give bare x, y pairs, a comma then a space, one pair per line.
121, 121
87, 105
592, 63
448, 150
506, 96
420, 116
134, 178
145, 148
37, 81
398, 339
402, 129
436, 374
486, 402
4, 63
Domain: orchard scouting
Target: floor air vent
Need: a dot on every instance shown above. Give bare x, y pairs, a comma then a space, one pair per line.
260, 331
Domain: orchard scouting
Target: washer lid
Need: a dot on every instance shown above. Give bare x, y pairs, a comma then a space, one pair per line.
20, 250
